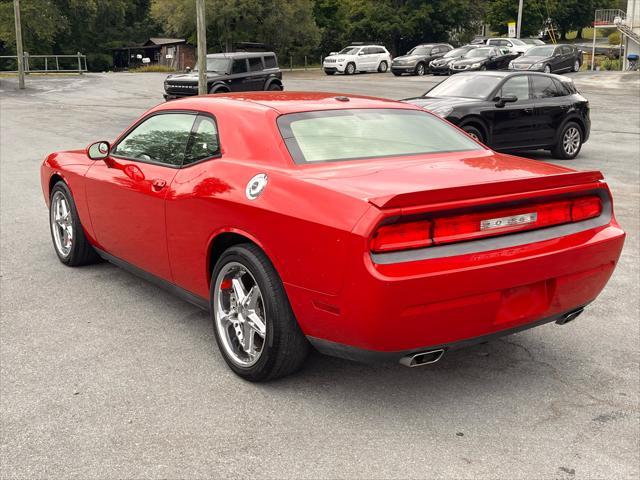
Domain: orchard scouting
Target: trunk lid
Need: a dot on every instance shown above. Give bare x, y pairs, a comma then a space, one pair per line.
428, 179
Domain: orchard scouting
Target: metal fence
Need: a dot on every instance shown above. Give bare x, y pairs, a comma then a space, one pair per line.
45, 63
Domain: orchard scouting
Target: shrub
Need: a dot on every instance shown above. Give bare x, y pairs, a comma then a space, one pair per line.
152, 68
99, 62
615, 38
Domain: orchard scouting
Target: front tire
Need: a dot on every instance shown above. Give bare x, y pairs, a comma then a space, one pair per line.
474, 133
383, 67
350, 69
69, 241
420, 69
569, 143
255, 328
576, 66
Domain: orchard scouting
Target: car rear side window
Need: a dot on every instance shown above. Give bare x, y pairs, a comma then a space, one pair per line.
239, 66
160, 139
203, 142
340, 135
518, 86
270, 62
544, 87
255, 64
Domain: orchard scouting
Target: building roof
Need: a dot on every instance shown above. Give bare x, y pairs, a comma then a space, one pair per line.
164, 41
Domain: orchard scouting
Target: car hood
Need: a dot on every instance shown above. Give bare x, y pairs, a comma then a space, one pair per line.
191, 77
470, 61
430, 103
530, 60
409, 57
405, 181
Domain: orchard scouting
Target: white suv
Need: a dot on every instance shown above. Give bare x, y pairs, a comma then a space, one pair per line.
358, 58
515, 45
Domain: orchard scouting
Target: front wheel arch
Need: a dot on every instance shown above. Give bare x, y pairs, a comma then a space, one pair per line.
219, 88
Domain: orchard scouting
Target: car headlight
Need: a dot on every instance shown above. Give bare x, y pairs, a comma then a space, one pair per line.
537, 66
442, 111
476, 65
339, 60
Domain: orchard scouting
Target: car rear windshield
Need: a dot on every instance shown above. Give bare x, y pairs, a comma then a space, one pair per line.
339, 135
466, 86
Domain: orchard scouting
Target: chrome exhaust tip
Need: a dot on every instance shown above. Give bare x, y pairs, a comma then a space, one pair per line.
569, 317
422, 358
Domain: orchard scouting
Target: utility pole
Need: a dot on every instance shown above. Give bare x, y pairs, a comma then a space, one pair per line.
202, 48
519, 27
19, 48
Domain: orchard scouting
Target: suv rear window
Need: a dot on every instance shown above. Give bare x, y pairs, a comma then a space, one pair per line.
339, 135
270, 62
255, 64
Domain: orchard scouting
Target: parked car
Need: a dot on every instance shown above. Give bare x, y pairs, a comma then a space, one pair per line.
533, 41
549, 58
514, 111
478, 40
514, 45
417, 60
357, 58
367, 228
483, 58
440, 66
229, 72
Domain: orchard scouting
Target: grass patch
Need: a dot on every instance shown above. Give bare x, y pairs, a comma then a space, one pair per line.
152, 68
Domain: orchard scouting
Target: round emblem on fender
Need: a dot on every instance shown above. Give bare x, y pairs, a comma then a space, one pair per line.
256, 186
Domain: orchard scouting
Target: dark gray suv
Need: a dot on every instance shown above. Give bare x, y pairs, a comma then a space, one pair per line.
417, 60
229, 72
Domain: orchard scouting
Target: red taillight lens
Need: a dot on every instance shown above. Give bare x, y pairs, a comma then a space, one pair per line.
460, 228
402, 236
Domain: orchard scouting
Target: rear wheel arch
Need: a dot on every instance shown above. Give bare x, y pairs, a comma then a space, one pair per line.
271, 82
574, 119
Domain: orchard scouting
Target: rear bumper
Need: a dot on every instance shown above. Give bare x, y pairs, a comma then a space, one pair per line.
395, 308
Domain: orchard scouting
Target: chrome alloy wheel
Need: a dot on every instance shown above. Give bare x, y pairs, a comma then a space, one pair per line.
61, 224
571, 141
240, 317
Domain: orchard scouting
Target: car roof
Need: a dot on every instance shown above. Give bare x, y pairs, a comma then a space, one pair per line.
283, 102
361, 46
239, 54
505, 74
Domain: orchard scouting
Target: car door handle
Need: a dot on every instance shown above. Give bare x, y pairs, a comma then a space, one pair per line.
158, 184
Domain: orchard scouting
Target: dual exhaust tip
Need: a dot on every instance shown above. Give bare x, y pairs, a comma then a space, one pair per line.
432, 356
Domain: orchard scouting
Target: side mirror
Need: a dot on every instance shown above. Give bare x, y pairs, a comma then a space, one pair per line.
360, 52
98, 150
502, 101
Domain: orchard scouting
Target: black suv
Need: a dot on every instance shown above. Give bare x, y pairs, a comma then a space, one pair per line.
229, 72
416, 61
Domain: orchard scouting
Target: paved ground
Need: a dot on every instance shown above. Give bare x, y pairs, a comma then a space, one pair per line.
103, 375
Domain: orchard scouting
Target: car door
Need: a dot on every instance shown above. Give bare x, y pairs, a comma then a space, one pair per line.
257, 75
567, 57
240, 80
126, 192
512, 125
551, 107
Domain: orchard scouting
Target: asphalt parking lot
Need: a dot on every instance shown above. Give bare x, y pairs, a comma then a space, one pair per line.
105, 376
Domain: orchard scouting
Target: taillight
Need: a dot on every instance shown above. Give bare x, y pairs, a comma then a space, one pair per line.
402, 236
488, 223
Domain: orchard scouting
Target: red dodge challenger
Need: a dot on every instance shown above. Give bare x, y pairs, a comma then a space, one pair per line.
367, 228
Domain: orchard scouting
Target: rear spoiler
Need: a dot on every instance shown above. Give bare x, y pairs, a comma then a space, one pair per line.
489, 189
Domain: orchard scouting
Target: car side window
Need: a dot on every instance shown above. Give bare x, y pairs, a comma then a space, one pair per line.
380, 50
518, 86
270, 62
544, 87
204, 142
239, 66
159, 139
562, 88
435, 51
255, 64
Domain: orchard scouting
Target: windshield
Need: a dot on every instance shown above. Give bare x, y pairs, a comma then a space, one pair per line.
457, 52
349, 51
545, 51
338, 135
479, 52
517, 41
419, 51
533, 41
219, 65
465, 86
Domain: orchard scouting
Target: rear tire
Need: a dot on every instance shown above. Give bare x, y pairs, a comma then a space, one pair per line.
284, 348
69, 240
547, 69
274, 87
383, 67
329, 73
569, 142
576, 66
